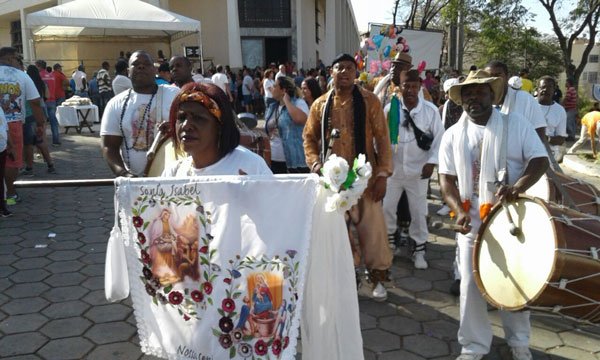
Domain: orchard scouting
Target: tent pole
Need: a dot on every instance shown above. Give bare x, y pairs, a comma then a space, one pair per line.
25, 36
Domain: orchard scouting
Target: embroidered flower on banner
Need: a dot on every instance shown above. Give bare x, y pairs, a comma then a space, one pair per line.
345, 185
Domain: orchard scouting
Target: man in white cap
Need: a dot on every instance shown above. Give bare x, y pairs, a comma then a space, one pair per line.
469, 160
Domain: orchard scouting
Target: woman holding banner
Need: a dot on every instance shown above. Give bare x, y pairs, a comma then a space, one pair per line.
203, 124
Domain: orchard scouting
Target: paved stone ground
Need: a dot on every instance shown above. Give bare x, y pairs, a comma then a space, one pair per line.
52, 302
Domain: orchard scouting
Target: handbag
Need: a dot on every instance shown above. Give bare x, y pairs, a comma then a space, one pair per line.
424, 140
116, 281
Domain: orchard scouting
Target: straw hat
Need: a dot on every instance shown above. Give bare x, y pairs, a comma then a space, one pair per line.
478, 77
402, 57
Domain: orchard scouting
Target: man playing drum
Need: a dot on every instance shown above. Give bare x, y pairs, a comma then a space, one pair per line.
486, 158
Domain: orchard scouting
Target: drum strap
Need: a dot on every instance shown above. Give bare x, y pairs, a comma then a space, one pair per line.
159, 97
503, 169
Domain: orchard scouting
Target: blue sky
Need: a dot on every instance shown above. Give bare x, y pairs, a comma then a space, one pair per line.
363, 10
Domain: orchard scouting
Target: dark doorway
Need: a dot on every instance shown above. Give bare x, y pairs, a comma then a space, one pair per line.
277, 50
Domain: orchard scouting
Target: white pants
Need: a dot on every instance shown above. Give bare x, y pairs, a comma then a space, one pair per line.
416, 192
475, 332
583, 138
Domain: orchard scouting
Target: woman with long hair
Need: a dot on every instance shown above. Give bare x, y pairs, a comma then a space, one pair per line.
310, 90
289, 115
203, 125
29, 136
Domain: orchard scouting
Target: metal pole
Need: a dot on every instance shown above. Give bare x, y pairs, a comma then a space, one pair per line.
64, 183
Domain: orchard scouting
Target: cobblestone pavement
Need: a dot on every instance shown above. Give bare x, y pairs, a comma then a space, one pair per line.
52, 303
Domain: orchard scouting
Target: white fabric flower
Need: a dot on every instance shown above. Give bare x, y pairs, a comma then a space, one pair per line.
341, 201
335, 171
360, 185
365, 170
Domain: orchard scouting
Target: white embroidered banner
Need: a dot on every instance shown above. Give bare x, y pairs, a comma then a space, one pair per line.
217, 265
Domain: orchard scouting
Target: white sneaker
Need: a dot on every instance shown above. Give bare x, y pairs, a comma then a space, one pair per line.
419, 260
520, 353
379, 292
443, 211
470, 357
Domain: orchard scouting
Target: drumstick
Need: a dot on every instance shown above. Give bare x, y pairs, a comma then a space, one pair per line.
155, 145
514, 230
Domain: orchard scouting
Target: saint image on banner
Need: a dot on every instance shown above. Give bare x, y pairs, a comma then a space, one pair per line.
174, 248
260, 315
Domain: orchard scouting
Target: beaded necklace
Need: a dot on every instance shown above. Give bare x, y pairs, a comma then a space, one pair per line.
142, 124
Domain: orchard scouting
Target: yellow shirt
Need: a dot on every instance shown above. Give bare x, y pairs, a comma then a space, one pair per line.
590, 120
527, 85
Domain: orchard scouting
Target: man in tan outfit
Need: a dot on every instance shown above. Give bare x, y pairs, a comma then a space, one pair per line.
358, 115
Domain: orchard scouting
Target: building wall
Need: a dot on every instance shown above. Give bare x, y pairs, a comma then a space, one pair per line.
211, 14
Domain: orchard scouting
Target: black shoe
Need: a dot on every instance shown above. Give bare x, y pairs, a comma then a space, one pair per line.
358, 278
5, 213
455, 288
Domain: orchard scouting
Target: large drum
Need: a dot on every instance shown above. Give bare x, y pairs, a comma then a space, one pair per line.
585, 196
164, 155
552, 265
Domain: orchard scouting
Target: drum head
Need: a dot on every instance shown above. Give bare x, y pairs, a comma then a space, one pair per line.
540, 189
165, 156
512, 271
248, 119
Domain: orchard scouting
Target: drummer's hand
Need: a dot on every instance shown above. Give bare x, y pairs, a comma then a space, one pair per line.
507, 193
464, 219
242, 172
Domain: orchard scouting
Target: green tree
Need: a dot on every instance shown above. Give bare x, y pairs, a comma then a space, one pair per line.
581, 20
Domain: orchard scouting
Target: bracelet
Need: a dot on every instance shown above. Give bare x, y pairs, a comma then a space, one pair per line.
314, 165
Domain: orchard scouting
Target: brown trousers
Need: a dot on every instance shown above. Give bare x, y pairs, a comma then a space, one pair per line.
372, 243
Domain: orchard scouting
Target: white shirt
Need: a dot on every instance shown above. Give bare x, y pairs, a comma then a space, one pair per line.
408, 157
276, 143
78, 76
247, 85
121, 83
268, 83
556, 119
16, 87
523, 144
238, 159
522, 103
137, 127
279, 74
221, 81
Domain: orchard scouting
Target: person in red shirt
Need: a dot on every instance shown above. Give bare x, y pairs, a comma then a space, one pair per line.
50, 100
61, 82
570, 105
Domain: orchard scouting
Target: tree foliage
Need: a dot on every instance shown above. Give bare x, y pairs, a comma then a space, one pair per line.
493, 29
581, 20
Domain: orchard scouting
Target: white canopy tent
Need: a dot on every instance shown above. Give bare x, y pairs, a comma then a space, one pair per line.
131, 18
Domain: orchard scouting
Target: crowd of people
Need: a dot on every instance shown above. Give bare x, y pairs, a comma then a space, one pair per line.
407, 125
